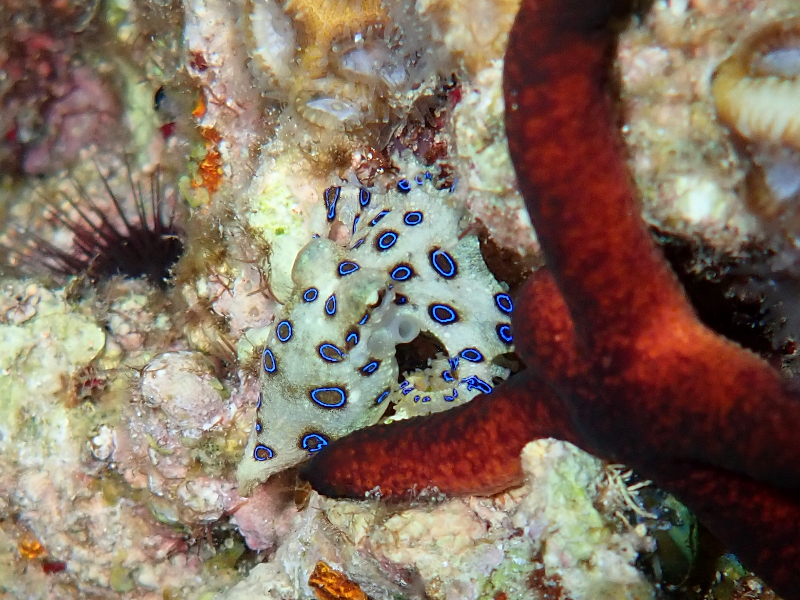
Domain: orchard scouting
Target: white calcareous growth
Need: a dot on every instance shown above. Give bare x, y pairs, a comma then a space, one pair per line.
406, 269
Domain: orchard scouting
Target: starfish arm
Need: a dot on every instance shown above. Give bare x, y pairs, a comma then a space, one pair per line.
669, 385
472, 449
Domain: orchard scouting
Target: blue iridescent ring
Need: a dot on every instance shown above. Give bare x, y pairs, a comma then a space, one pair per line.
331, 197
370, 367
382, 397
443, 263
386, 240
310, 294
504, 333
347, 266
442, 314
268, 361
401, 272
330, 353
284, 331
316, 439
504, 303
364, 196
403, 186
328, 397
263, 452
352, 338
472, 355
330, 305
378, 217
412, 218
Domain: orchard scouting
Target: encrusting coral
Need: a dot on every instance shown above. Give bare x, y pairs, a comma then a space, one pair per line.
620, 364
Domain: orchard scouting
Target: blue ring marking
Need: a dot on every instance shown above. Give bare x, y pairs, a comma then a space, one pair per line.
504, 333
401, 273
428, 175
314, 395
476, 383
352, 334
504, 303
447, 376
442, 314
472, 355
386, 240
268, 362
426, 398
453, 187
443, 263
364, 196
418, 178
263, 452
357, 244
454, 363
382, 397
330, 353
355, 223
284, 331
416, 398
370, 367
258, 404
412, 218
347, 266
331, 197
378, 217
453, 397
259, 427
307, 439
310, 294
330, 305
403, 186
364, 319
400, 299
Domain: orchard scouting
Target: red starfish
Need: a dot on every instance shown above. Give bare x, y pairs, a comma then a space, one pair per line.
620, 364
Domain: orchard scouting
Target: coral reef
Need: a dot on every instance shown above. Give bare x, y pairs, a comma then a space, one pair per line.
128, 402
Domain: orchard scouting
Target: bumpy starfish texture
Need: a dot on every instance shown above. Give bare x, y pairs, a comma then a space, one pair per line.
619, 362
